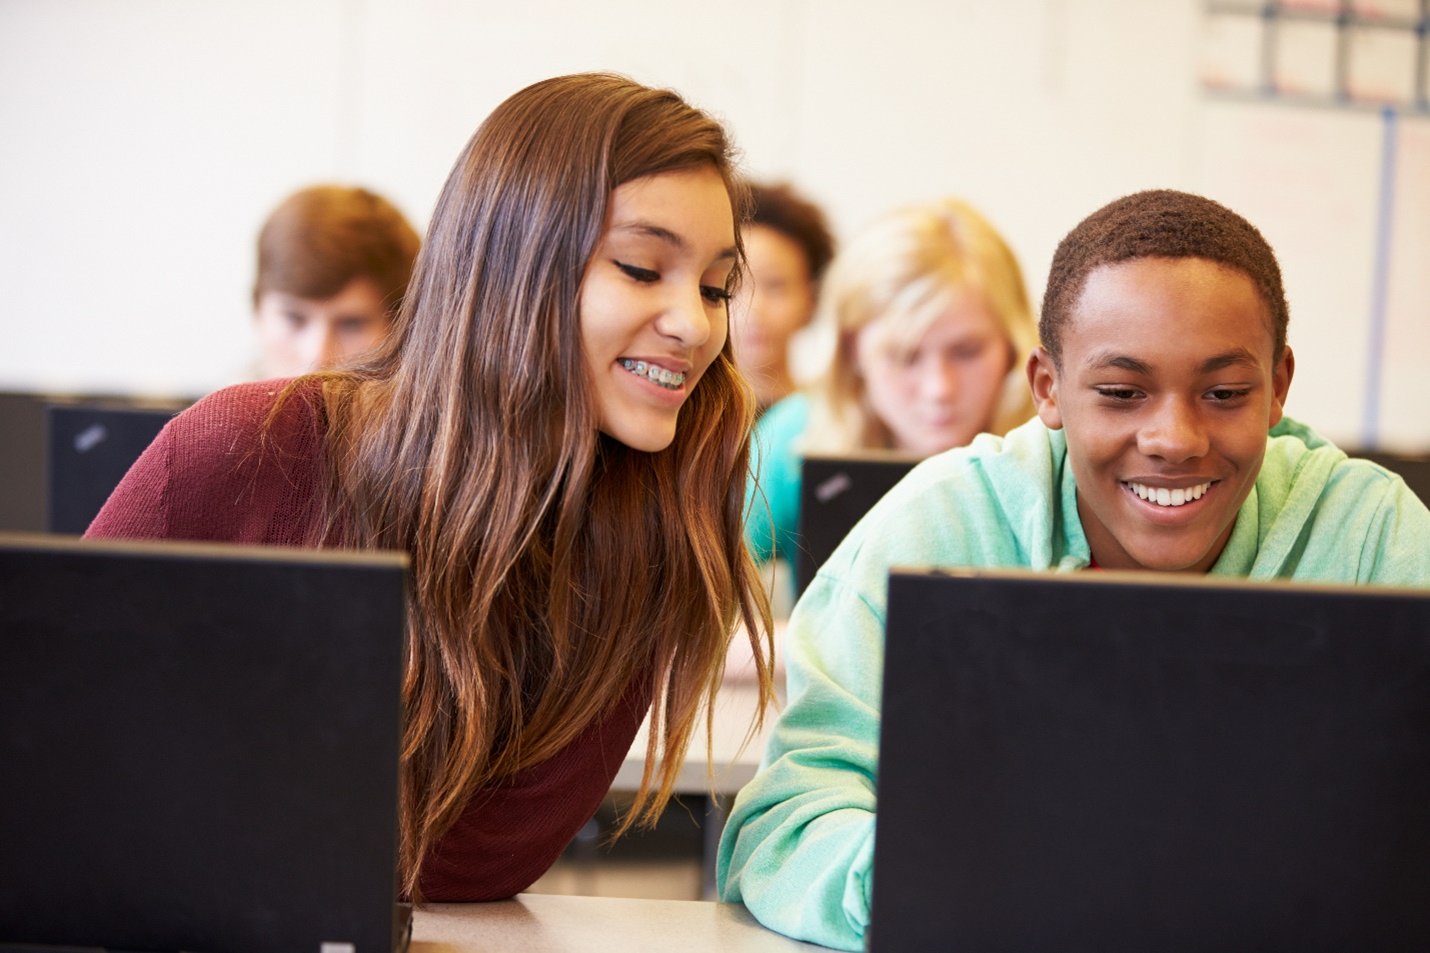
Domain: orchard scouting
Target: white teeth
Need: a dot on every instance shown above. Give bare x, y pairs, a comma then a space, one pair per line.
670, 380
1163, 496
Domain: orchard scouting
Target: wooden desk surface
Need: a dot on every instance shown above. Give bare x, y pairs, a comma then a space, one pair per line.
533, 923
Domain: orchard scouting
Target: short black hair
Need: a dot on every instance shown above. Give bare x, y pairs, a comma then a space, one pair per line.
783, 209
1161, 223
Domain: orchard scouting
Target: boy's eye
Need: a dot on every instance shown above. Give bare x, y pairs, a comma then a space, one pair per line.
352, 325
644, 275
1225, 394
714, 295
1119, 393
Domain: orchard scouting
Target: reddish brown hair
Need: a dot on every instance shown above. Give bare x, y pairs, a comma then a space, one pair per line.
551, 566
320, 238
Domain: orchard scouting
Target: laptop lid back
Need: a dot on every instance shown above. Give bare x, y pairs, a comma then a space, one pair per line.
1106, 762
198, 746
90, 450
834, 494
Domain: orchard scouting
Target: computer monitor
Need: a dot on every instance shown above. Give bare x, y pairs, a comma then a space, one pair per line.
198, 746
1114, 762
59, 453
91, 447
835, 492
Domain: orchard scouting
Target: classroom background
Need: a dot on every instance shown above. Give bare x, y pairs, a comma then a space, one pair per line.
145, 140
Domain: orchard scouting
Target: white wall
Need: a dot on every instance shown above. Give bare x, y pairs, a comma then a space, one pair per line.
143, 141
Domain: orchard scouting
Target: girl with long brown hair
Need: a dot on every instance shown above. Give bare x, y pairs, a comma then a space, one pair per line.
556, 434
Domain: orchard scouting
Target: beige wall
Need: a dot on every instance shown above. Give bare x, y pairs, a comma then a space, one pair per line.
142, 142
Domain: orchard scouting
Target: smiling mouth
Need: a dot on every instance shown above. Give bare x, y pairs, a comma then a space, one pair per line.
660, 376
1162, 496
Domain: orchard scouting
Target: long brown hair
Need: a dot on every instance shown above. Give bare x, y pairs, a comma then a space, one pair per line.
551, 566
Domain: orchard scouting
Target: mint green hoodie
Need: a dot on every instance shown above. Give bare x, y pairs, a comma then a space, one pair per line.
798, 848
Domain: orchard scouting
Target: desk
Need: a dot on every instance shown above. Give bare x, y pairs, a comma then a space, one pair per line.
734, 762
541, 924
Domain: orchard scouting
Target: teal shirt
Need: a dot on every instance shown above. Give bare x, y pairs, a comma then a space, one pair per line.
772, 498
798, 848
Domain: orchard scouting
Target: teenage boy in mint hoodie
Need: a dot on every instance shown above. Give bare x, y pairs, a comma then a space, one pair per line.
1160, 444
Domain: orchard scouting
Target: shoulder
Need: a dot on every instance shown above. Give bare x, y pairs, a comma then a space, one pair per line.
774, 449
995, 502
246, 464
783, 422
1301, 464
238, 418
1327, 516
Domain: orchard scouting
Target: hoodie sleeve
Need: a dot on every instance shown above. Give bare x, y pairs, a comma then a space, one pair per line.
798, 848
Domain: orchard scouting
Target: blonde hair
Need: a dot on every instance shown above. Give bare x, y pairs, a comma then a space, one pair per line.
907, 270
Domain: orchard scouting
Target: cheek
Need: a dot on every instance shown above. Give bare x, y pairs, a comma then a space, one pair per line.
794, 311
723, 327
888, 386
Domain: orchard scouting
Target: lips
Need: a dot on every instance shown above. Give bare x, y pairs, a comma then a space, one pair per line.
1169, 496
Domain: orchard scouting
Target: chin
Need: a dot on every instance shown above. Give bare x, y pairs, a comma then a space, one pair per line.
1170, 561
644, 440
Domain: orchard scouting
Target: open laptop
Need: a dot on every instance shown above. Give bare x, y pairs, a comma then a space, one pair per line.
199, 747
1116, 762
834, 494
91, 447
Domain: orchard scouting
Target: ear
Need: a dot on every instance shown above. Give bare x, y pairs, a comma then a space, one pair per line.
1043, 379
1281, 376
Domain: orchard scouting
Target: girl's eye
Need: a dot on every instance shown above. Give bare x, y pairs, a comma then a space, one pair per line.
643, 275
714, 295
1122, 394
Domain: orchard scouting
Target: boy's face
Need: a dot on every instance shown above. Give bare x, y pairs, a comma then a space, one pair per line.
1167, 388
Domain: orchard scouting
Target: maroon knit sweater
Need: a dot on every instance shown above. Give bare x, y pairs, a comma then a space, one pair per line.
208, 476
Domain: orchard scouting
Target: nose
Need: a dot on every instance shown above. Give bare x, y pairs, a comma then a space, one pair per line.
321, 348
938, 381
1174, 432
687, 318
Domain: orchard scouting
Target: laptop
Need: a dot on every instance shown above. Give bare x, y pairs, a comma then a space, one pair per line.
199, 747
90, 450
834, 494
1115, 762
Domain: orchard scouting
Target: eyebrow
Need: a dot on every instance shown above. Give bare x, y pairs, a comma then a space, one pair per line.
1240, 357
660, 232
1107, 359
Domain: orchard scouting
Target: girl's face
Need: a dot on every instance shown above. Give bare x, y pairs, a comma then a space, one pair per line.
1166, 390
775, 301
653, 302
944, 390
297, 335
